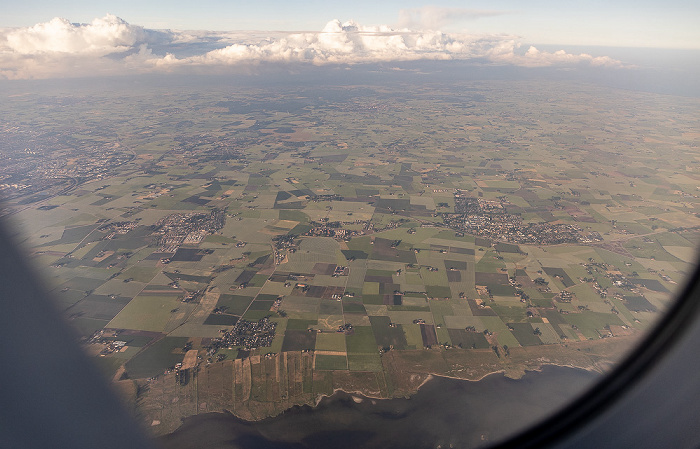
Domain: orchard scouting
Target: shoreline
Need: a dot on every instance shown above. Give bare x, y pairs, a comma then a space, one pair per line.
442, 412
359, 397
432, 376
431, 413
600, 358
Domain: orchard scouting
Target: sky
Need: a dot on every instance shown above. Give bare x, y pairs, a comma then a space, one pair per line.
620, 23
42, 39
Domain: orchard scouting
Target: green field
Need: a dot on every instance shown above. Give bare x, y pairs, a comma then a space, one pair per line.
364, 362
331, 362
361, 341
148, 313
153, 360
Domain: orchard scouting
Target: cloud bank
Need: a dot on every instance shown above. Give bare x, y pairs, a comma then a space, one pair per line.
111, 46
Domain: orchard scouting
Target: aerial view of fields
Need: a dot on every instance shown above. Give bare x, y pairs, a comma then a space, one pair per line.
252, 248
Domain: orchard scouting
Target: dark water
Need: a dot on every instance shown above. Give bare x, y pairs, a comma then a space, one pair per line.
444, 413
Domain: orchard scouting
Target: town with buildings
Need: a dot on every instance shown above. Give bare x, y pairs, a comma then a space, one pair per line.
247, 335
188, 228
490, 219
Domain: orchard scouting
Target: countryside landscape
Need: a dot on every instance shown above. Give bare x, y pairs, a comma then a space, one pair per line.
249, 248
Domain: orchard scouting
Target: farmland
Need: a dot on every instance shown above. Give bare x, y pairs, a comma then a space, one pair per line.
382, 234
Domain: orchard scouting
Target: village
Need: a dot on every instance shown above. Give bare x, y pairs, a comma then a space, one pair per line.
490, 219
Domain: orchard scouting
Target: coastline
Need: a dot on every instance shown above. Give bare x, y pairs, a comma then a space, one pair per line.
223, 386
434, 413
432, 376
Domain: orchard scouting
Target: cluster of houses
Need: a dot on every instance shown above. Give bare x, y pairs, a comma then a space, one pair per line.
247, 335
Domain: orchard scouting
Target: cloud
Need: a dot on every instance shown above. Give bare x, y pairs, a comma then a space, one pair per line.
349, 43
111, 46
536, 58
109, 34
436, 17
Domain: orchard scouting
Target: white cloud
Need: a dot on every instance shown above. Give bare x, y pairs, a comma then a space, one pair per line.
535, 58
112, 46
435, 17
103, 36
